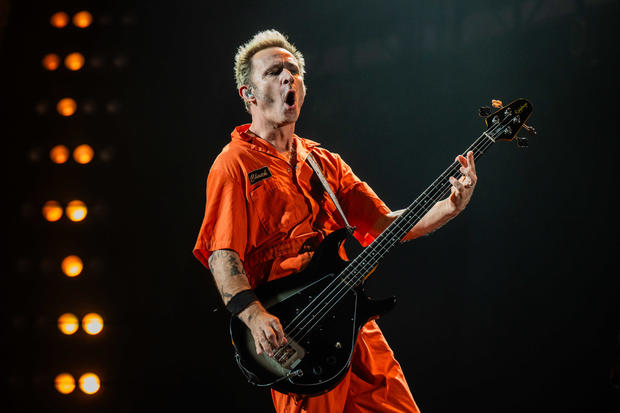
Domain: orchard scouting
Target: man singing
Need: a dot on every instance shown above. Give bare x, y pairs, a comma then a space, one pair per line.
266, 212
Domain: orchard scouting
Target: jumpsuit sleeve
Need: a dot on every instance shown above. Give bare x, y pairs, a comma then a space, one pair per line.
360, 203
224, 225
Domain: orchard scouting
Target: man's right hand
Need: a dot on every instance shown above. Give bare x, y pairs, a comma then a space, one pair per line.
266, 328
230, 277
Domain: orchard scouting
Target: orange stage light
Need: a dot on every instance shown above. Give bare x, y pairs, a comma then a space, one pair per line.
59, 154
68, 324
59, 19
64, 383
72, 266
89, 383
66, 106
82, 19
92, 323
51, 61
74, 61
52, 211
83, 154
76, 210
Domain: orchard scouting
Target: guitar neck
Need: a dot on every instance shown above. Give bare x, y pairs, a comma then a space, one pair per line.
368, 259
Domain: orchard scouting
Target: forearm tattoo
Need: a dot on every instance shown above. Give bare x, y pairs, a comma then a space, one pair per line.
226, 261
226, 264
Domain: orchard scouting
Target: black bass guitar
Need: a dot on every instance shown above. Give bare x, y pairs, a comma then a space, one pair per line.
323, 307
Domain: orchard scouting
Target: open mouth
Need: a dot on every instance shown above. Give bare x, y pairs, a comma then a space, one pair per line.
289, 99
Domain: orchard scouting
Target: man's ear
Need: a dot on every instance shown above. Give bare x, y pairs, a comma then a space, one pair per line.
246, 93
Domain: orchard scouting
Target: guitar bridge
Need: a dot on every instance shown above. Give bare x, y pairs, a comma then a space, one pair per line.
290, 355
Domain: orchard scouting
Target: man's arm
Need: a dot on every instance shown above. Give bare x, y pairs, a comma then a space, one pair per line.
444, 210
230, 278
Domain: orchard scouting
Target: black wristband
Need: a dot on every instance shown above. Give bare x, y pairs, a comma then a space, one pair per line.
241, 301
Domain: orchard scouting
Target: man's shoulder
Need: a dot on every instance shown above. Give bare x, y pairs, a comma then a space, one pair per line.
308, 143
314, 146
231, 154
237, 158
326, 154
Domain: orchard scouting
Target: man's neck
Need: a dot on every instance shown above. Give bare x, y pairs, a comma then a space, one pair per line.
281, 137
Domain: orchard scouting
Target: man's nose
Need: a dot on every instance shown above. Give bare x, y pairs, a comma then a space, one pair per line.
287, 77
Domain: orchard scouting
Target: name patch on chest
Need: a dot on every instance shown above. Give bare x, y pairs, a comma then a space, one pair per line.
259, 174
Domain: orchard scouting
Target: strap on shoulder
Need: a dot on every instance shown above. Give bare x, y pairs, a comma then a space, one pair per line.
319, 174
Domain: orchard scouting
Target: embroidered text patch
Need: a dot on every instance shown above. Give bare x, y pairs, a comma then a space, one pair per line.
259, 174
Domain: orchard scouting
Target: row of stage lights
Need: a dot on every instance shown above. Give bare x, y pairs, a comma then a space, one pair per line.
75, 210
92, 323
75, 61
68, 106
81, 154
84, 19
71, 265
81, 19
89, 383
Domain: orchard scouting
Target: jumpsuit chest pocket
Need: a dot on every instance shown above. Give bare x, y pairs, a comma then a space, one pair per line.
279, 207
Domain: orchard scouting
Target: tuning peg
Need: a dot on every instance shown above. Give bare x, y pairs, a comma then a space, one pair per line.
484, 111
521, 142
530, 130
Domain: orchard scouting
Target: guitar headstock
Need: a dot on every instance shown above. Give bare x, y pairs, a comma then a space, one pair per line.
507, 121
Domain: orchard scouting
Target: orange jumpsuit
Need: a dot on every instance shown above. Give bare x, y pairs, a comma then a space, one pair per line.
274, 213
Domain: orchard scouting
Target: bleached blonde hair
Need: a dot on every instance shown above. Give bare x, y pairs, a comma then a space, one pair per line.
262, 40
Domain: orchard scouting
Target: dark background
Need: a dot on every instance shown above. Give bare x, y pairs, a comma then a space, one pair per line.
512, 306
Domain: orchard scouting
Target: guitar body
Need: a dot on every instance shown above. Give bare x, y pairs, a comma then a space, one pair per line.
321, 331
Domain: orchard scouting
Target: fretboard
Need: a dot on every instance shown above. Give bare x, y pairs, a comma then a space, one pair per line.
369, 258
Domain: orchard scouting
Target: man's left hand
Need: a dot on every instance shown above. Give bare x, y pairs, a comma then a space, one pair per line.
463, 188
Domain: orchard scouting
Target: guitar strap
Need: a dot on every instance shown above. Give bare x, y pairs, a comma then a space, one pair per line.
319, 174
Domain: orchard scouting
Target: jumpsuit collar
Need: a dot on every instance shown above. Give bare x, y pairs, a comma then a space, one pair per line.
304, 146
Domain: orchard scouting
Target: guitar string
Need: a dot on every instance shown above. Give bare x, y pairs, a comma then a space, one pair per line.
381, 250
352, 269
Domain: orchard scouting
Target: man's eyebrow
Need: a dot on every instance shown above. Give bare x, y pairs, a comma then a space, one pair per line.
286, 63
291, 63
273, 66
